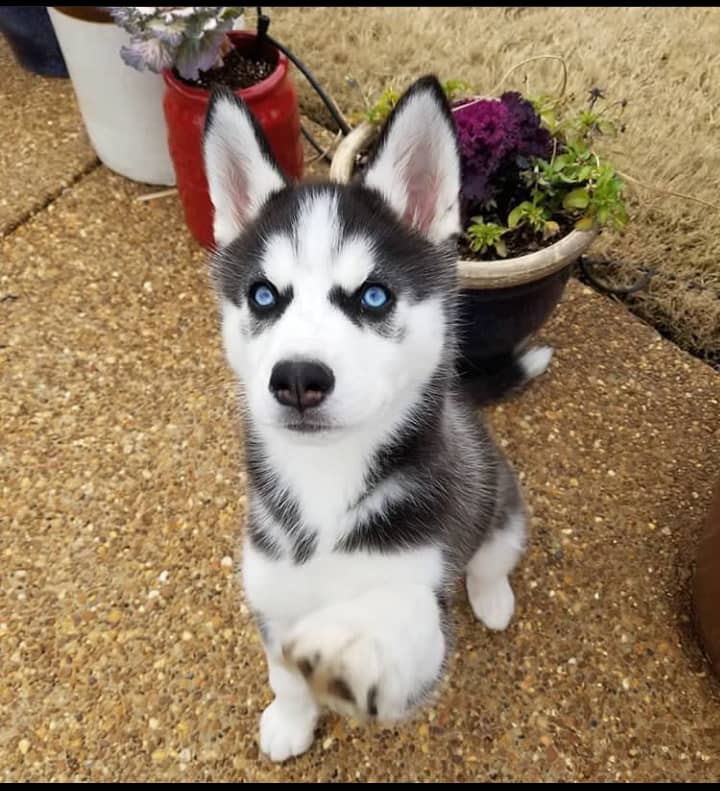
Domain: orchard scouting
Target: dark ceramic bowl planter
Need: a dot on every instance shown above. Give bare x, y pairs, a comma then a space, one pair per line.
502, 303
273, 101
32, 39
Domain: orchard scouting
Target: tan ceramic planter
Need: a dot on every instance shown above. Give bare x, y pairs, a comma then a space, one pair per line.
478, 274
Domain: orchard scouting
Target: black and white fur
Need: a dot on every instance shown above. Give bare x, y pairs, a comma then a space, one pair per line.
369, 500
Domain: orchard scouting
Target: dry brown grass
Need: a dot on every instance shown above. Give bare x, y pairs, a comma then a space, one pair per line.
665, 61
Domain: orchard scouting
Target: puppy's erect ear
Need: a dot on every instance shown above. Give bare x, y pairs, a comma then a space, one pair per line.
416, 164
241, 170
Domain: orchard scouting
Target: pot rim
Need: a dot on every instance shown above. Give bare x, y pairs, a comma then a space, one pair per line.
89, 15
479, 274
258, 91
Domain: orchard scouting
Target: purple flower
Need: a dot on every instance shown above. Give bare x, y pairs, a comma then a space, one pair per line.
497, 139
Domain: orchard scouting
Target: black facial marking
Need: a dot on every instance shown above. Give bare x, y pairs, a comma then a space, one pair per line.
261, 317
238, 266
381, 321
406, 263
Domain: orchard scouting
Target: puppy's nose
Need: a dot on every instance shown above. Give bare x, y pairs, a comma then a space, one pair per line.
301, 384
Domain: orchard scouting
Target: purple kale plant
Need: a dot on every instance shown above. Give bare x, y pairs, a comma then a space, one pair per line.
498, 139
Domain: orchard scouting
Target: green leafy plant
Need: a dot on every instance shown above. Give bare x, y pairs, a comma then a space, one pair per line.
556, 188
455, 88
530, 168
535, 215
485, 235
576, 182
378, 113
382, 108
544, 107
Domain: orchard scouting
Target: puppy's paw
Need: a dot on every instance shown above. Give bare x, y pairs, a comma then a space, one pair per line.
493, 603
286, 730
342, 668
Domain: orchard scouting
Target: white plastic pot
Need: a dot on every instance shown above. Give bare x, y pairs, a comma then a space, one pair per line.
121, 107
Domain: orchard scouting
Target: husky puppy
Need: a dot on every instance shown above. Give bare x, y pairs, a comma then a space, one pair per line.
372, 486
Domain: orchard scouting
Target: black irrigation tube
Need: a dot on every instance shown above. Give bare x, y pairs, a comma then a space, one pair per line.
262, 28
326, 100
639, 285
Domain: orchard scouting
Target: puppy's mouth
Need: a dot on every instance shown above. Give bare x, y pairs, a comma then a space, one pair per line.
303, 426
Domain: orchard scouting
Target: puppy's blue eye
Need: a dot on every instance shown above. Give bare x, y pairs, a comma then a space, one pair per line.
263, 295
375, 297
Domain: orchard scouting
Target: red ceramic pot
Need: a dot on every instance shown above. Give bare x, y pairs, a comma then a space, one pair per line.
273, 102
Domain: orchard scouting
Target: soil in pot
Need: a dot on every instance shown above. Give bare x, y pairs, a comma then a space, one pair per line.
519, 241
238, 71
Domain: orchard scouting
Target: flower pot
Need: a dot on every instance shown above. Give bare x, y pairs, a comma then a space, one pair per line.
120, 107
32, 39
273, 102
706, 584
502, 303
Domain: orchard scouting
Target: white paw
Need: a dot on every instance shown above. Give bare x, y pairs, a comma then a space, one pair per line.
341, 666
492, 602
286, 730
536, 361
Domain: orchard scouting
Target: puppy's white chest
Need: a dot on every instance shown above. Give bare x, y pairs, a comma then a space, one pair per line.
281, 591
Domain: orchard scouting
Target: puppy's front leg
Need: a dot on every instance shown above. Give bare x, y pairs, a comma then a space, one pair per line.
373, 656
287, 726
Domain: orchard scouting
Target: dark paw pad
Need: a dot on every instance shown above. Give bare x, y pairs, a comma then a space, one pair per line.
372, 695
306, 667
339, 688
